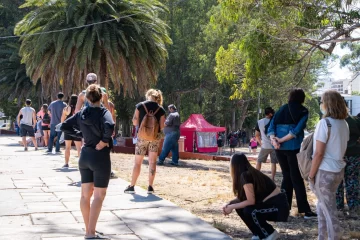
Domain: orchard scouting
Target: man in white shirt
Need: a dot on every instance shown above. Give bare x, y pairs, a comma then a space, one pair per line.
265, 143
27, 123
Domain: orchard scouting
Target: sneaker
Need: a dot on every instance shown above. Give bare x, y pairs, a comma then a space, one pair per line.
174, 164
310, 215
254, 237
275, 235
48, 152
36, 149
150, 190
160, 163
25, 149
112, 175
59, 152
65, 166
129, 189
98, 237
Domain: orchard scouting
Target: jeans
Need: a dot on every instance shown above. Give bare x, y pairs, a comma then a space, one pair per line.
255, 217
170, 144
54, 134
292, 179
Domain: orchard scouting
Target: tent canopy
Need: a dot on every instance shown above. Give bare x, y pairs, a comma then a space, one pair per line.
197, 122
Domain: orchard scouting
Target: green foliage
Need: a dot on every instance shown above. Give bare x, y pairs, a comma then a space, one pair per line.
356, 93
127, 51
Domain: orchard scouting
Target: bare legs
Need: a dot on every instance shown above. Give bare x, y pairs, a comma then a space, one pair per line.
24, 142
67, 150
273, 169
152, 167
91, 213
46, 137
137, 168
78, 145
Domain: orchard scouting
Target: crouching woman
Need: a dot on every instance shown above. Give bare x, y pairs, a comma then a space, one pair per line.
258, 199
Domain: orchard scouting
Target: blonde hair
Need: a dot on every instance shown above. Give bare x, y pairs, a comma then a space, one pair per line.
155, 96
334, 105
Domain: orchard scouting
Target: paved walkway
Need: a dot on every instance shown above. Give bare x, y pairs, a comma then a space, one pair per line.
39, 200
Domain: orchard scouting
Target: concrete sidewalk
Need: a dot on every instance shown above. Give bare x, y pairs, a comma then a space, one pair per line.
39, 200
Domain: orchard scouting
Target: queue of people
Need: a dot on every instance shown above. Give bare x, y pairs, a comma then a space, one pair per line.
336, 151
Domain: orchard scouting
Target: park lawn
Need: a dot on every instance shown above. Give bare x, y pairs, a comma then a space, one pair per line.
202, 187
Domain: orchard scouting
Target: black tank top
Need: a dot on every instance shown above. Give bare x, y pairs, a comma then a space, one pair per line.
71, 112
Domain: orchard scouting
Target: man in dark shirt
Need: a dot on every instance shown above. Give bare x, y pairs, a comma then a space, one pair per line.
172, 135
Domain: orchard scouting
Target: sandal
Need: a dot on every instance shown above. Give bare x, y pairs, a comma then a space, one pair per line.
98, 237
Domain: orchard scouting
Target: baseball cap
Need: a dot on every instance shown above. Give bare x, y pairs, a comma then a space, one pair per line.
91, 78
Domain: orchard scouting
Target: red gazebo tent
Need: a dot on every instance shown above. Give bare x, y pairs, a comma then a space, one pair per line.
198, 131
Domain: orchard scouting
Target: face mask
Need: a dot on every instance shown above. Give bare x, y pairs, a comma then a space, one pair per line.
322, 110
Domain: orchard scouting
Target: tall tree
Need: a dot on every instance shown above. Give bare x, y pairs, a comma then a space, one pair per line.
127, 48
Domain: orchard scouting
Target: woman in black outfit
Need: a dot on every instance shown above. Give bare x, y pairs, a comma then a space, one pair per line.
286, 132
95, 124
257, 201
67, 113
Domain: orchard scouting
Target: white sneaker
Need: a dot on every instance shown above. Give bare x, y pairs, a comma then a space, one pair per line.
254, 237
275, 235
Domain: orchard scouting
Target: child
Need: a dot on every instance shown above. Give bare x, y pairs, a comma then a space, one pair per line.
257, 201
253, 144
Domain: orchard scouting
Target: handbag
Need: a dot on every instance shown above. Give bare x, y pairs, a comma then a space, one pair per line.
304, 157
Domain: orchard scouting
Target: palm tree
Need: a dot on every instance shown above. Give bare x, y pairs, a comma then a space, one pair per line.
14, 83
127, 50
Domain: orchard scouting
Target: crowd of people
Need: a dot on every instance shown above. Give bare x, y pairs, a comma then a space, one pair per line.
88, 120
335, 161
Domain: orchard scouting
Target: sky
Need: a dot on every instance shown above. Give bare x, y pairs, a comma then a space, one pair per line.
335, 72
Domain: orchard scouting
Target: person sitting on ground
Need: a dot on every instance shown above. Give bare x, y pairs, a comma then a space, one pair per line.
152, 105
68, 112
27, 123
258, 199
95, 124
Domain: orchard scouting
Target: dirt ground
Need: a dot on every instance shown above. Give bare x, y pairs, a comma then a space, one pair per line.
202, 187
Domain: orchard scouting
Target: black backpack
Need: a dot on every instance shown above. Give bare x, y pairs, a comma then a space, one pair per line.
46, 118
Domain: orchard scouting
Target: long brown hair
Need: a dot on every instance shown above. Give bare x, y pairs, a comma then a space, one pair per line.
45, 108
240, 167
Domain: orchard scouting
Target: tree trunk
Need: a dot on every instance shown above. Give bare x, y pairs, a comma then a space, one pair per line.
233, 119
244, 110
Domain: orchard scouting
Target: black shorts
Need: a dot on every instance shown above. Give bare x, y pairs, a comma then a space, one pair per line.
68, 137
95, 166
26, 130
45, 128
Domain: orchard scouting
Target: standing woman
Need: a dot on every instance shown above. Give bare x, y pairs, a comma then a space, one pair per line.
286, 132
154, 105
257, 201
327, 167
95, 124
352, 169
45, 118
67, 113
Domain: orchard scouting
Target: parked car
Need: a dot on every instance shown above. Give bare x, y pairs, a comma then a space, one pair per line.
5, 126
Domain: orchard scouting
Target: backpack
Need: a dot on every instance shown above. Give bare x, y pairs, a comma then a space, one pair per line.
304, 157
233, 141
46, 118
149, 127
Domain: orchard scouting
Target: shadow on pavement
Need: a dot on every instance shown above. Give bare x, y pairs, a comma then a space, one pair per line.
75, 184
66, 169
148, 198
